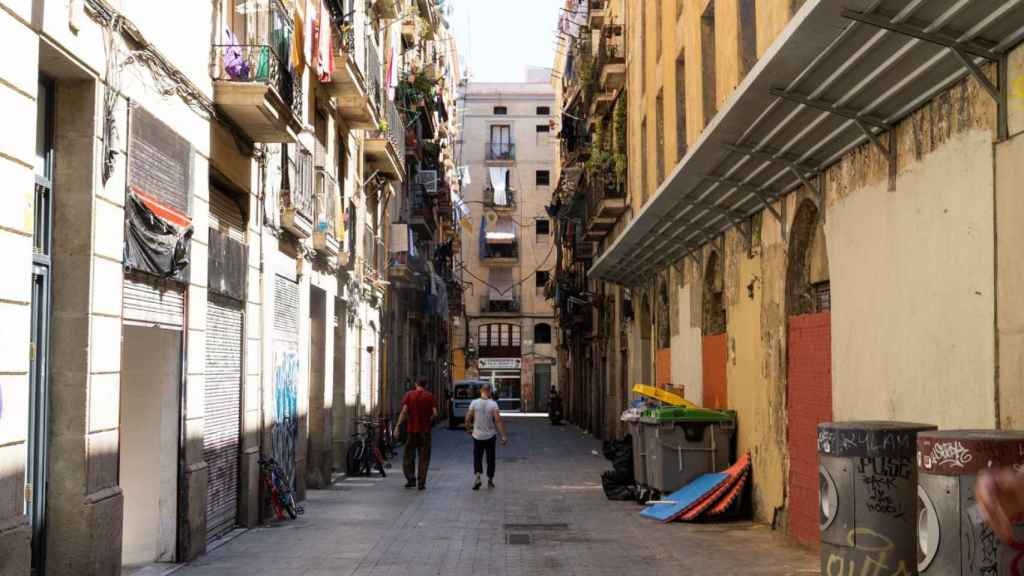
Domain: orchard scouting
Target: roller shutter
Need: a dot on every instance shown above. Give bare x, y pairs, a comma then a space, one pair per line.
222, 438
153, 302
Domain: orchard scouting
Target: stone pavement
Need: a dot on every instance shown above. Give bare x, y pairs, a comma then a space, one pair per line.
548, 493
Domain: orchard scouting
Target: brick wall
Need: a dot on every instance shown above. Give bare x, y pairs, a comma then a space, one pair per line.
715, 388
809, 401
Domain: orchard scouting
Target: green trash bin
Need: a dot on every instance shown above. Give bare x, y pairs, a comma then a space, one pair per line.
682, 444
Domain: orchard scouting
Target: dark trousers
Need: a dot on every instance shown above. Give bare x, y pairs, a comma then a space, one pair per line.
417, 442
480, 447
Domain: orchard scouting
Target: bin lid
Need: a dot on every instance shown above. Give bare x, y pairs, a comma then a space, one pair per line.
967, 452
682, 414
662, 395
872, 438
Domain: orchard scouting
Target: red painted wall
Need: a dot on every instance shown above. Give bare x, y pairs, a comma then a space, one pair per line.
715, 387
809, 402
663, 368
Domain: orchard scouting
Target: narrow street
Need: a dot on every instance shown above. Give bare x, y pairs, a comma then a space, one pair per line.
548, 488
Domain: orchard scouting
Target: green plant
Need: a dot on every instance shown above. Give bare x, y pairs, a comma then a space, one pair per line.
619, 128
601, 160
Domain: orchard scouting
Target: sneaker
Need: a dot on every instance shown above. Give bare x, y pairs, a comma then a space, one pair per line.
410, 484
422, 486
490, 483
477, 484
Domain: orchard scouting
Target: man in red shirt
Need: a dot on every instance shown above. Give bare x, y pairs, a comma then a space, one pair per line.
420, 409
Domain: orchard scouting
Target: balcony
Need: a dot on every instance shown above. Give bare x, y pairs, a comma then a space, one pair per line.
606, 202
613, 65
297, 202
385, 147
326, 221
411, 28
355, 83
253, 83
598, 14
601, 104
509, 205
496, 305
405, 267
500, 153
422, 216
499, 255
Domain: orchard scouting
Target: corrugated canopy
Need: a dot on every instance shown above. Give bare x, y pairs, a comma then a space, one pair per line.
839, 75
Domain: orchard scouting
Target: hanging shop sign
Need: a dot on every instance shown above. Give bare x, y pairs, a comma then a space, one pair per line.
501, 363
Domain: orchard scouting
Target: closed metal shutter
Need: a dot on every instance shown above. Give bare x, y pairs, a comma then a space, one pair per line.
153, 302
285, 418
223, 413
286, 309
226, 215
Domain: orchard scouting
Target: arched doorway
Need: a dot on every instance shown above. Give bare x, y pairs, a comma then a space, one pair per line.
646, 329
809, 366
714, 341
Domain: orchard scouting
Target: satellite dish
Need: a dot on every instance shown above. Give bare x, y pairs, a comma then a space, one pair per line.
492, 218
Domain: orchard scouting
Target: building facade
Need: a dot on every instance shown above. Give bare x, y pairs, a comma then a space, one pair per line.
507, 151
198, 246
807, 228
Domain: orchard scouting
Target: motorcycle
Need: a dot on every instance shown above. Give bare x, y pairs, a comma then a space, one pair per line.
555, 410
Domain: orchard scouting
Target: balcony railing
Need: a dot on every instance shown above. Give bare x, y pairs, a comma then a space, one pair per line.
257, 49
500, 151
396, 129
297, 184
494, 306
510, 199
492, 251
325, 219
373, 73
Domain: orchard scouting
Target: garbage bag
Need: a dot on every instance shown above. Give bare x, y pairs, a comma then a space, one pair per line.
616, 490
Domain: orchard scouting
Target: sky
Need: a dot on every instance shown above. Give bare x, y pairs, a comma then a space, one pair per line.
498, 39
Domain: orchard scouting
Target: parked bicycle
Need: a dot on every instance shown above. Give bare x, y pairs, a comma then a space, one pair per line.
280, 494
387, 438
364, 453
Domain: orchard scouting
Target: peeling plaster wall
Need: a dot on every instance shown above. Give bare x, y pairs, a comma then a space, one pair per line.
687, 363
912, 271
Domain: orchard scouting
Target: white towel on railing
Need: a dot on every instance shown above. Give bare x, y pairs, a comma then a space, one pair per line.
498, 176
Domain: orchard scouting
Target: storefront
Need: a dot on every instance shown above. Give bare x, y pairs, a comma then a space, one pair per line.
505, 375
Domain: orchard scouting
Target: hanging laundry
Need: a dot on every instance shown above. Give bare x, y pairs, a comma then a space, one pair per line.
298, 41
326, 37
308, 40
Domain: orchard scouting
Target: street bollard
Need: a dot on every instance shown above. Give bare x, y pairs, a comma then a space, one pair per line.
952, 536
867, 493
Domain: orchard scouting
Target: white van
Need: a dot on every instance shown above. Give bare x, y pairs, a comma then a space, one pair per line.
462, 394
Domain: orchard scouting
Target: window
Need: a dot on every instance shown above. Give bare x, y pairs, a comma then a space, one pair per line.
748, 36
643, 47
543, 227
543, 178
543, 128
501, 110
707, 61
680, 108
543, 111
542, 278
659, 127
542, 333
501, 133
643, 161
658, 27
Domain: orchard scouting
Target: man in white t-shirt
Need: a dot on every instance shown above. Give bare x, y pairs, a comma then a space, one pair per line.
483, 421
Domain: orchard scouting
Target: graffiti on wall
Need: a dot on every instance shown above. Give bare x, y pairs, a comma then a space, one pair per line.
869, 553
285, 425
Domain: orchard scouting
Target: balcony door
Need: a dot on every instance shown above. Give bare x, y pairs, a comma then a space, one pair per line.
501, 141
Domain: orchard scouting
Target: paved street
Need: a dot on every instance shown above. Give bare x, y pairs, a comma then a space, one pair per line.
548, 488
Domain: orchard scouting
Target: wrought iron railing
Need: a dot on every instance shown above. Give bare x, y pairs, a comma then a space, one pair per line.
500, 150
489, 305
326, 203
372, 72
491, 251
257, 48
490, 202
297, 181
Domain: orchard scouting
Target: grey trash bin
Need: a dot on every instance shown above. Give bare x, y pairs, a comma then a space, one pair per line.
952, 536
683, 444
868, 496
639, 455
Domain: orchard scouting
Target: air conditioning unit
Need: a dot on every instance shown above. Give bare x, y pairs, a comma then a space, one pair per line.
428, 179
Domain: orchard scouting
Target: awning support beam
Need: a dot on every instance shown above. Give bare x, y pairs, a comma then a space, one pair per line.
828, 107
966, 52
757, 192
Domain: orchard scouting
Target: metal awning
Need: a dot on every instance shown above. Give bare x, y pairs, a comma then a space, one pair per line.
840, 75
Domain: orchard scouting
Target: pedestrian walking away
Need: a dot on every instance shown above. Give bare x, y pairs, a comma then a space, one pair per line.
419, 408
483, 422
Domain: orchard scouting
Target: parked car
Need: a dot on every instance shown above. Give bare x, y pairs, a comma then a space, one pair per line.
462, 394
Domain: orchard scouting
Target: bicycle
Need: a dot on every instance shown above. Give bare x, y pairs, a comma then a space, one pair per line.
364, 454
388, 442
281, 497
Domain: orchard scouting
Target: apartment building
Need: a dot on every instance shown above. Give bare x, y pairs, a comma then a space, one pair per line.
507, 149
197, 245
814, 221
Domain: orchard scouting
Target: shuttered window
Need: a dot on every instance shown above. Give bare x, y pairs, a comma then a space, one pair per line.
149, 301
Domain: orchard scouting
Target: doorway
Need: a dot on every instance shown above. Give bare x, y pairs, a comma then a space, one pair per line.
150, 428
541, 386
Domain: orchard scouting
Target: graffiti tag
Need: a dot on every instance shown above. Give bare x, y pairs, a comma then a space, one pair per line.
948, 454
872, 550
285, 426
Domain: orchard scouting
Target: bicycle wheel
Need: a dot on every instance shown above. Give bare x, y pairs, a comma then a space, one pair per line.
289, 506
379, 461
354, 459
